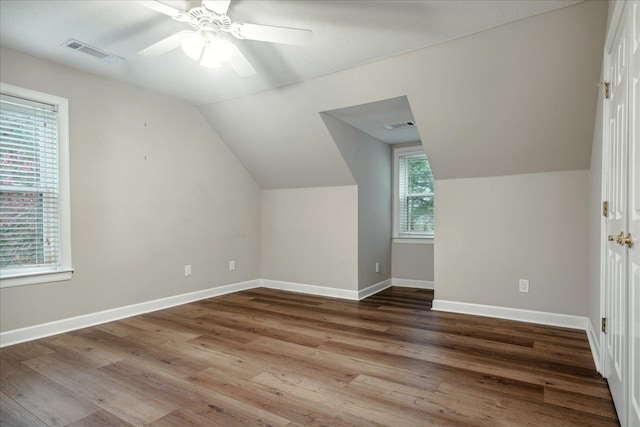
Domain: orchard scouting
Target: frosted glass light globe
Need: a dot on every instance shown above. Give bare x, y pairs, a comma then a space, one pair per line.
192, 44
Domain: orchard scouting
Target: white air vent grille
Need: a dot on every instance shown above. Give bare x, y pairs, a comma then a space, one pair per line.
399, 125
95, 52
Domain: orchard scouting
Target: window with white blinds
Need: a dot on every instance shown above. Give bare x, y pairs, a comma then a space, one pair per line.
31, 202
414, 201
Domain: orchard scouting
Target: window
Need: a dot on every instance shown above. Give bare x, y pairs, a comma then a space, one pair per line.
34, 188
413, 194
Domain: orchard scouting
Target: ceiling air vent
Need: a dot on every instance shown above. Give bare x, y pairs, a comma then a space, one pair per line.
399, 125
93, 51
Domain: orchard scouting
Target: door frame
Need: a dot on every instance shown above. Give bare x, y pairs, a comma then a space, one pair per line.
612, 29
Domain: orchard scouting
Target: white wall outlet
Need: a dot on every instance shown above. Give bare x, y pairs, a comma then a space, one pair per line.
232, 265
187, 270
377, 267
524, 286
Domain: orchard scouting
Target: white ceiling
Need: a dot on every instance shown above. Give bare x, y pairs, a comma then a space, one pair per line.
346, 34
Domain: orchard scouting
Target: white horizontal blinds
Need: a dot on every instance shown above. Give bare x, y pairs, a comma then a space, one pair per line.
402, 193
29, 184
415, 190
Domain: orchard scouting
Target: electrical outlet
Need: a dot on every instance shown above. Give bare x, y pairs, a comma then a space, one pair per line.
377, 267
232, 265
524, 285
187, 270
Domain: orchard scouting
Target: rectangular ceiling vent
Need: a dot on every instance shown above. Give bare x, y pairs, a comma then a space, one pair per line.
399, 125
93, 51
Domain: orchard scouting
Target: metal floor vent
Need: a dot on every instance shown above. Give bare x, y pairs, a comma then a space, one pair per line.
93, 51
399, 125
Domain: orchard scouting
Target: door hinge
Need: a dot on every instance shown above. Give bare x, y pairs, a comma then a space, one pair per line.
605, 209
604, 325
606, 85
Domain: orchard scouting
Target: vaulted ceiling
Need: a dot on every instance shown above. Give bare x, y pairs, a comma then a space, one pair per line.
519, 98
346, 33
496, 87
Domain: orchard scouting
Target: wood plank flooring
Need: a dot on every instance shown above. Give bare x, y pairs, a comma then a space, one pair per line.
274, 358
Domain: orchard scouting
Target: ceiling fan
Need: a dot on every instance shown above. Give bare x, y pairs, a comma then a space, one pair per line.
207, 44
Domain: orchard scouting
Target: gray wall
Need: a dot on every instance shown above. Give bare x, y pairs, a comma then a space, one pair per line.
135, 223
369, 161
494, 231
310, 236
412, 261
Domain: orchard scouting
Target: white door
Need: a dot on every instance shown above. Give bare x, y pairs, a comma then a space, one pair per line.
621, 364
634, 215
615, 357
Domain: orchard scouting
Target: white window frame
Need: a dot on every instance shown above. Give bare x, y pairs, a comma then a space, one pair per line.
63, 271
414, 238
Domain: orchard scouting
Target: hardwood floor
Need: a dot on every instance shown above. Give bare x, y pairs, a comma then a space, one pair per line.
266, 357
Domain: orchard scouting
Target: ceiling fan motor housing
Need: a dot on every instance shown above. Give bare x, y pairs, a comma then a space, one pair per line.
202, 18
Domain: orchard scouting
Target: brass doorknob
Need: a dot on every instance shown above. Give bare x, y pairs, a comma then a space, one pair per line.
618, 238
627, 241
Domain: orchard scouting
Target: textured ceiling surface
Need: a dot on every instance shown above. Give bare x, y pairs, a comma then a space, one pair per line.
345, 34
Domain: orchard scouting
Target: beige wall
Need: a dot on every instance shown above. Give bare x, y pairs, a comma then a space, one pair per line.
412, 261
135, 223
310, 236
494, 231
369, 161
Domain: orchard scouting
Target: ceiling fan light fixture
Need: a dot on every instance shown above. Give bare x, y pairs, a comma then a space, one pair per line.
219, 48
192, 44
216, 51
209, 60
207, 48
207, 43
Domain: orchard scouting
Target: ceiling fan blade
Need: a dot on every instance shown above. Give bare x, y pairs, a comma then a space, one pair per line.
240, 64
162, 8
218, 6
267, 33
163, 46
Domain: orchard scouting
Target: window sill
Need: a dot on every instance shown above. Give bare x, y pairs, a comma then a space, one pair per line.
35, 278
414, 240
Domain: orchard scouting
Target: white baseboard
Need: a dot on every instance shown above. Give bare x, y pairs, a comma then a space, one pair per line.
541, 317
29, 333
325, 291
411, 283
17, 336
374, 289
310, 289
594, 343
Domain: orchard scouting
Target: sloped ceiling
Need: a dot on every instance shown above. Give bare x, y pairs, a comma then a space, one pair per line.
346, 33
519, 98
